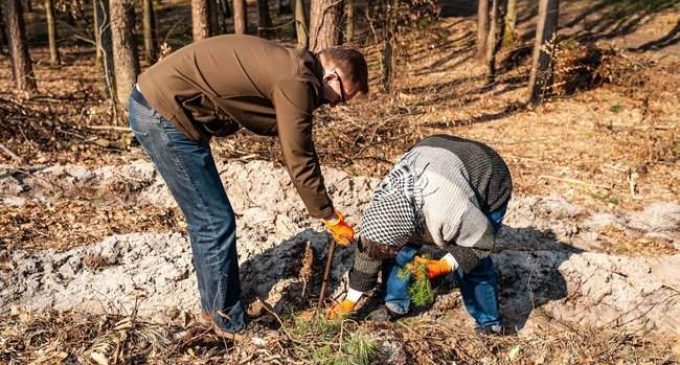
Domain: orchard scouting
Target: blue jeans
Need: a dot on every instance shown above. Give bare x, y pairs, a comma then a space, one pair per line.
479, 287
190, 173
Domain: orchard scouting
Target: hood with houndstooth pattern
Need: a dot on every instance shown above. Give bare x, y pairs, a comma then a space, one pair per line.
391, 217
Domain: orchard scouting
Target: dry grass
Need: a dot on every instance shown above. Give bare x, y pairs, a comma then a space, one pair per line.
70, 338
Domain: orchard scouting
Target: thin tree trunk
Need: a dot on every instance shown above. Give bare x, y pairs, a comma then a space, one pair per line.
388, 66
491, 44
324, 24
124, 49
150, 43
510, 21
349, 30
22, 68
389, 29
542, 65
482, 28
200, 19
29, 6
240, 17
301, 24
97, 34
52, 33
104, 45
264, 20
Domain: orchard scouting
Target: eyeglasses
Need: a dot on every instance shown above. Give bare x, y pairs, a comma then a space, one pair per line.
343, 98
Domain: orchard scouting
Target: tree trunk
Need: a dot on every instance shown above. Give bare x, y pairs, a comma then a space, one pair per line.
349, 30
150, 43
301, 24
491, 44
29, 6
52, 33
22, 69
240, 17
126, 63
264, 20
324, 24
510, 21
541, 70
97, 33
102, 31
200, 19
388, 66
482, 28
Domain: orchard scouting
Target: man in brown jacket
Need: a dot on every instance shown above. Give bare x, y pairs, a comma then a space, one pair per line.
213, 88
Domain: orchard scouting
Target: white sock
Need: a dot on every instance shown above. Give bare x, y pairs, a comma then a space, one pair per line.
451, 261
353, 295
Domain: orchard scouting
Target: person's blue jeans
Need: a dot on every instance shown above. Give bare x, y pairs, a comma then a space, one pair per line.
190, 173
479, 287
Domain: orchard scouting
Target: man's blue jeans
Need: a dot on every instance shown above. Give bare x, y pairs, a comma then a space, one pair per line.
190, 173
479, 287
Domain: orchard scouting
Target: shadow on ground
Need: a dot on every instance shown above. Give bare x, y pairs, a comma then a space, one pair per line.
528, 261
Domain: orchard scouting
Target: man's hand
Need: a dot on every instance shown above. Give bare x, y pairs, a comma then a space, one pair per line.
342, 232
433, 268
340, 310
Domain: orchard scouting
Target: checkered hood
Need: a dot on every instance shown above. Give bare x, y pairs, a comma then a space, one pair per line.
391, 217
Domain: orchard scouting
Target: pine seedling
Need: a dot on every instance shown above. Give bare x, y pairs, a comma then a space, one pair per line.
420, 290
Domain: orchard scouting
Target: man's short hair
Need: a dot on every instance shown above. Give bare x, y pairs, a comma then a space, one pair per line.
352, 64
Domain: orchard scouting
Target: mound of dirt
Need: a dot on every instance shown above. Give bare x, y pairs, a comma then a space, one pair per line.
544, 266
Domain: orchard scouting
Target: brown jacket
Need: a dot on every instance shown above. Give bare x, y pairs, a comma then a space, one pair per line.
216, 86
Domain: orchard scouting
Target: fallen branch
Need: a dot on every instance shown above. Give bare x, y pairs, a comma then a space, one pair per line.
110, 128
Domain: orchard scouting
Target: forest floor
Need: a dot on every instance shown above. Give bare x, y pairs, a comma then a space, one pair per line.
592, 238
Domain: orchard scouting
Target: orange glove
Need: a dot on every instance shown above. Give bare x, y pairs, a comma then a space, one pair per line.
340, 310
433, 268
342, 232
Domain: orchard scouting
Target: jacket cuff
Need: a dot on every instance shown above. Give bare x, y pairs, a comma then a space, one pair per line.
364, 273
467, 258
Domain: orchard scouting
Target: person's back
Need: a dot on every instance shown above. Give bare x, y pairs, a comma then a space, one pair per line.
231, 78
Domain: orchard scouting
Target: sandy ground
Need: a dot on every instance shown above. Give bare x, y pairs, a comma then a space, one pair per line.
549, 263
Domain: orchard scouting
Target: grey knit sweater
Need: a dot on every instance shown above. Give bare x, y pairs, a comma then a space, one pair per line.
439, 193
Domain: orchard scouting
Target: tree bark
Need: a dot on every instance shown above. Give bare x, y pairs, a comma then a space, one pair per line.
301, 29
102, 30
264, 20
510, 21
200, 19
52, 33
22, 69
542, 63
126, 63
150, 42
29, 6
240, 17
491, 44
349, 30
482, 28
324, 24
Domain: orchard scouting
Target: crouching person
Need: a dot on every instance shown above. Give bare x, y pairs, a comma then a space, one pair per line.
445, 191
